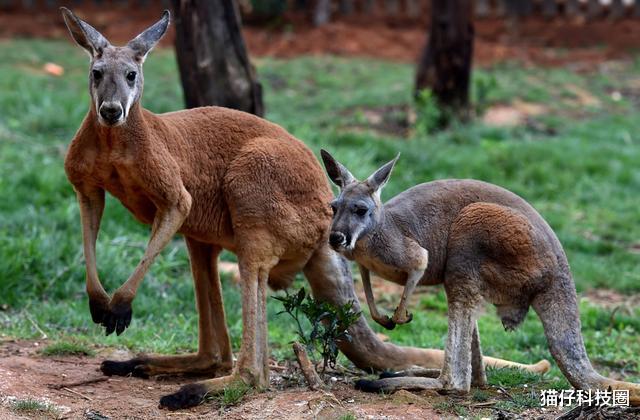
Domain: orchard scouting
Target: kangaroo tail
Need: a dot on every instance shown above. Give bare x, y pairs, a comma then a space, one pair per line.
557, 307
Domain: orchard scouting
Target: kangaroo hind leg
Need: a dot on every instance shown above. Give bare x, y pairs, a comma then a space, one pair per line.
255, 260
558, 309
214, 348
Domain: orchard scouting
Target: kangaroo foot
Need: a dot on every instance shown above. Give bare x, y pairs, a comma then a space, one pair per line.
194, 394
133, 367
187, 396
395, 384
144, 366
401, 316
415, 371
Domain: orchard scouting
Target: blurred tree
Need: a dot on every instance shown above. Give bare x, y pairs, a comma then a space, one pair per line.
212, 57
445, 65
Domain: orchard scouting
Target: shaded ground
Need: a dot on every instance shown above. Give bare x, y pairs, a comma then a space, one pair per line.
578, 43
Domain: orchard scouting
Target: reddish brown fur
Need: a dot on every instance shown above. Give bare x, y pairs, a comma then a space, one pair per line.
155, 159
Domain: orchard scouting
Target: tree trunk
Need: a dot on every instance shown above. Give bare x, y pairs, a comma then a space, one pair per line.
321, 12
212, 57
445, 66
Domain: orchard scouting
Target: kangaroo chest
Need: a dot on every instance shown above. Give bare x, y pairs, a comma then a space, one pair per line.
394, 260
120, 180
385, 269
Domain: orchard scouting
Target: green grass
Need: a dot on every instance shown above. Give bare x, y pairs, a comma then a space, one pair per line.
34, 408
452, 407
233, 394
68, 348
578, 165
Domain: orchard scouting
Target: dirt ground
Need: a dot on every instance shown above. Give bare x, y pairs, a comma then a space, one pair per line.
25, 374
76, 389
557, 42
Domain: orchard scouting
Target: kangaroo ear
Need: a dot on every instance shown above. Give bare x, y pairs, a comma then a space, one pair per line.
84, 34
379, 178
148, 39
336, 171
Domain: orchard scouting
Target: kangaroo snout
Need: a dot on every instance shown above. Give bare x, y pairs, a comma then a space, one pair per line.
111, 112
337, 239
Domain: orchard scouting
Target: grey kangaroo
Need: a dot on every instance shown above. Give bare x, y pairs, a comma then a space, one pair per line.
483, 243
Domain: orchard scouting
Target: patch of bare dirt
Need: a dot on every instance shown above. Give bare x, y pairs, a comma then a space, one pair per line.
612, 298
75, 388
516, 113
395, 120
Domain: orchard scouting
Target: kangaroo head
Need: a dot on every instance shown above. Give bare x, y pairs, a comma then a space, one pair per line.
358, 207
115, 76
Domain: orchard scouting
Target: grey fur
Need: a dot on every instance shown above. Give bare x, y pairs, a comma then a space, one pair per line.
115, 77
484, 243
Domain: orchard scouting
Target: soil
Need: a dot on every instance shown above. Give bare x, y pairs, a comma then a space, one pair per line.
25, 374
574, 42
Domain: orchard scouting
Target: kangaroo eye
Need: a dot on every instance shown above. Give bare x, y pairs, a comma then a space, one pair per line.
334, 208
131, 76
97, 75
361, 212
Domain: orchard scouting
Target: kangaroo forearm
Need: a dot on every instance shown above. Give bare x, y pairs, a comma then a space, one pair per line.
164, 227
366, 283
91, 207
330, 280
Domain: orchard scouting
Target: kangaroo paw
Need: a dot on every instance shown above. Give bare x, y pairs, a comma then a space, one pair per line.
117, 318
125, 368
189, 395
385, 321
99, 309
399, 318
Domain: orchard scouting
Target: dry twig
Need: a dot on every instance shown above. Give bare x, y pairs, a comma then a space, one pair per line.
310, 374
79, 383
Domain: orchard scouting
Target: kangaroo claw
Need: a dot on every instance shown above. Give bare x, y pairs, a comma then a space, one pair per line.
402, 318
386, 322
99, 309
117, 319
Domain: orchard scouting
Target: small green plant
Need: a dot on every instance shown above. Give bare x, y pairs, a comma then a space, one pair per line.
480, 396
34, 408
485, 85
429, 116
451, 407
520, 402
67, 348
348, 416
511, 377
329, 323
233, 394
